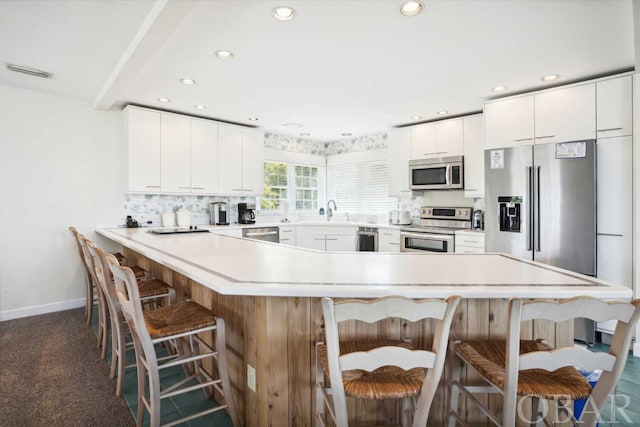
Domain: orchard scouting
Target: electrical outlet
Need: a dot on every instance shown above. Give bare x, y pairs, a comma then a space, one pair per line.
251, 378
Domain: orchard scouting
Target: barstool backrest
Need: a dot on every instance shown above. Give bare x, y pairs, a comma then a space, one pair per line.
373, 311
128, 297
612, 363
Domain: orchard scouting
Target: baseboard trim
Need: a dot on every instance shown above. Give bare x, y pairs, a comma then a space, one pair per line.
41, 309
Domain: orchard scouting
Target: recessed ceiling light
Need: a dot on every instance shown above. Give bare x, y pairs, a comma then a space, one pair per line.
187, 81
416, 117
305, 134
164, 100
253, 119
442, 113
550, 77
499, 88
224, 54
28, 70
411, 8
199, 107
283, 13
346, 134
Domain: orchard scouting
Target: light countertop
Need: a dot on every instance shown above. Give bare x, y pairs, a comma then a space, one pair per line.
236, 266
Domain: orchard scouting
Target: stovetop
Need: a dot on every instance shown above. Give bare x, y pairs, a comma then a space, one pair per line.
192, 229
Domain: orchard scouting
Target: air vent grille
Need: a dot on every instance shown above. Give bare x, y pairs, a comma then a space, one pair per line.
30, 71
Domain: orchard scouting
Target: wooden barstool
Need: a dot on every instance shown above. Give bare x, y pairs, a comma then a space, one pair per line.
150, 290
381, 369
531, 368
178, 322
92, 292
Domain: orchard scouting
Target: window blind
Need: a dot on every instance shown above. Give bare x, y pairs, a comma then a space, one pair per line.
361, 187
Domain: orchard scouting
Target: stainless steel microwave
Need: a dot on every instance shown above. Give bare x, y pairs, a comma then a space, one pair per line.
444, 173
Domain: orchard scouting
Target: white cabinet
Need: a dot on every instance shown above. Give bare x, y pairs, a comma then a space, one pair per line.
142, 134
175, 154
204, 156
388, 240
473, 156
327, 238
469, 242
287, 235
565, 114
509, 122
252, 162
614, 107
399, 143
556, 115
233, 232
240, 160
438, 139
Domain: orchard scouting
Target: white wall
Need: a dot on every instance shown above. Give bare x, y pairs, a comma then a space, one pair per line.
59, 166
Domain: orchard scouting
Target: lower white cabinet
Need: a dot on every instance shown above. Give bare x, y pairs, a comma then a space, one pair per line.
327, 238
388, 240
469, 242
287, 235
233, 232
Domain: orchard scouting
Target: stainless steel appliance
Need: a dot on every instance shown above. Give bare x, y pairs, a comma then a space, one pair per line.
540, 204
444, 173
436, 232
219, 213
246, 213
367, 240
478, 220
268, 234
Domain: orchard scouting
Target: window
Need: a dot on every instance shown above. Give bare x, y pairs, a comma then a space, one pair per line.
296, 184
361, 187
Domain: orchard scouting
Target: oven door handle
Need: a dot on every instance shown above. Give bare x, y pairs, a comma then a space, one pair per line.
427, 236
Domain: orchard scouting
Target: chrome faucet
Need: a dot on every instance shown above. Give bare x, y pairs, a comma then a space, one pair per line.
329, 211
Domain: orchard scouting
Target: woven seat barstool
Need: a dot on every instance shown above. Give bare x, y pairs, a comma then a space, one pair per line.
149, 289
531, 368
92, 293
182, 321
380, 369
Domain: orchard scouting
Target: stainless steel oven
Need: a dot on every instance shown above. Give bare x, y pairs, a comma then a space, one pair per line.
436, 232
414, 241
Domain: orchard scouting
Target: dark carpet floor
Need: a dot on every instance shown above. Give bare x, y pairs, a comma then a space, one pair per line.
51, 374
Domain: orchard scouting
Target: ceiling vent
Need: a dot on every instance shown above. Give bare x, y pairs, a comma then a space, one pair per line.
30, 71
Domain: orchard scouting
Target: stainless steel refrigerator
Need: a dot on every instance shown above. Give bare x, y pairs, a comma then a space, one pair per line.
540, 204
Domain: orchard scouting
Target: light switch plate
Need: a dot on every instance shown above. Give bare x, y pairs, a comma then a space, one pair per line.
251, 377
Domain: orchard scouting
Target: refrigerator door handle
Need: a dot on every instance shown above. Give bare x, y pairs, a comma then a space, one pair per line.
529, 211
537, 227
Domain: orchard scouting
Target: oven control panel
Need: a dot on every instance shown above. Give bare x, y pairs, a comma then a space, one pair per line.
428, 212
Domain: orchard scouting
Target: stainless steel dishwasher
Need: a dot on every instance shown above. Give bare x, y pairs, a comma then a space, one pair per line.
269, 234
367, 239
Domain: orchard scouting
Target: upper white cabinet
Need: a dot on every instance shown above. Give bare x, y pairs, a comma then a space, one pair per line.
142, 134
204, 156
509, 122
229, 159
614, 107
399, 142
565, 114
439, 139
175, 153
556, 115
241, 156
252, 161
473, 156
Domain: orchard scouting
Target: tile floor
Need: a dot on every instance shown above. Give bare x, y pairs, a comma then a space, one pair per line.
171, 408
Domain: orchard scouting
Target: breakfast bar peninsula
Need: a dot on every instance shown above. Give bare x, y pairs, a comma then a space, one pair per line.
269, 296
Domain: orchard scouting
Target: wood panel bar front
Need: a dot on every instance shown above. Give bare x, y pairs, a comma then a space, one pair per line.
277, 336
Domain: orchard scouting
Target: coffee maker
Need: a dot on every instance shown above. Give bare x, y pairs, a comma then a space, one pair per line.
246, 213
218, 213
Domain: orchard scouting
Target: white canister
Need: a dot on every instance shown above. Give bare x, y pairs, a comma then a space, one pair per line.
168, 219
183, 218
